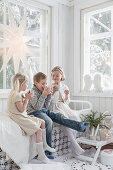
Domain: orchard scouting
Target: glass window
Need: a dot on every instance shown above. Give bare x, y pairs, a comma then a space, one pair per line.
98, 42
23, 42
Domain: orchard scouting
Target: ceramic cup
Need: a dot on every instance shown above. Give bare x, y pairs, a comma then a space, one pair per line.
58, 86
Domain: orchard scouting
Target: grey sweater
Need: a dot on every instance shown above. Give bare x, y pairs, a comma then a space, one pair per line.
38, 102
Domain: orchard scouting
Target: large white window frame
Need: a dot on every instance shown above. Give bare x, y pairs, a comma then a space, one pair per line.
46, 46
78, 45
85, 43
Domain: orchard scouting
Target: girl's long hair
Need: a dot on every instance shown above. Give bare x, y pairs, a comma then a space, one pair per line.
17, 80
60, 70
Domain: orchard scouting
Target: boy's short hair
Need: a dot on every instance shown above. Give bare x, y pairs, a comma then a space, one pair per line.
39, 76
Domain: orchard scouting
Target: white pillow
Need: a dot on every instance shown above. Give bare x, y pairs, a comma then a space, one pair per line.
12, 141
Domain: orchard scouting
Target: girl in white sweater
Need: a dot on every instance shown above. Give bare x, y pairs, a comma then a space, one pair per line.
59, 103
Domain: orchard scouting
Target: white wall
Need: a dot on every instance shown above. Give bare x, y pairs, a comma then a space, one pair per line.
65, 45
68, 46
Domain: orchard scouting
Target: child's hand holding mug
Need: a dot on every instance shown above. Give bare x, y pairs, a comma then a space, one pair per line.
55, 87
46, 91
66, 92
29, 95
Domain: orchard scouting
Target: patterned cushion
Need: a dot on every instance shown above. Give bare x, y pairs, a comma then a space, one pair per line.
60, 141
6, 164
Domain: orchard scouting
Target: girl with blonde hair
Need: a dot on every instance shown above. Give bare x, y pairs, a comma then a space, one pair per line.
30, 125
59, 103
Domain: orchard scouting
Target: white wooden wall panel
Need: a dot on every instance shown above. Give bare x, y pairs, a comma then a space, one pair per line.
102, 104
109, 104
99, 104
1, 108
112, 105
3, 105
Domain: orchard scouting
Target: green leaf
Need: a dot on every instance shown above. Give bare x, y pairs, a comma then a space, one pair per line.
91, 118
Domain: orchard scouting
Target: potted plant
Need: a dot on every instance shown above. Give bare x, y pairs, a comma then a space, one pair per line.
95, 118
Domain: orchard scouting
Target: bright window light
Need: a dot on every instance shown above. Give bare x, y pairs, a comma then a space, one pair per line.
97, 27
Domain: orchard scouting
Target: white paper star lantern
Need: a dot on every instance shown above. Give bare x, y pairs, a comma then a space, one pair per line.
15, 41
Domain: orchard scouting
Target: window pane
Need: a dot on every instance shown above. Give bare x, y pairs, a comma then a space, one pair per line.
21, 41
96, 28
98, 54
18, 12
104, 18
33, 20
35, 67
34, 42
100, 59
100, 22
1, 73
9, 73
1, 13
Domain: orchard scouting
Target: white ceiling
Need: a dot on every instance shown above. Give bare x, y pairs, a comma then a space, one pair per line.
53, 2
65, 2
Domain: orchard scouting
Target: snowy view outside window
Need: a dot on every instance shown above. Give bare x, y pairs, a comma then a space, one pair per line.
35, 35
98, 45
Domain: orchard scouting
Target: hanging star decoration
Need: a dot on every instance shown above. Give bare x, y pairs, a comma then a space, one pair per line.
15, 43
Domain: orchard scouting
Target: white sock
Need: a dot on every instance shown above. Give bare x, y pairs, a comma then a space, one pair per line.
46, 147
41, 154
74, 145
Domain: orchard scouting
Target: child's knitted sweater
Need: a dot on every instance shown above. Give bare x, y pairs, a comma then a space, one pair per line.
39, 101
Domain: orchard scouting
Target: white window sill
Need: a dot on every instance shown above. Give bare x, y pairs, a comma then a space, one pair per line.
105, 94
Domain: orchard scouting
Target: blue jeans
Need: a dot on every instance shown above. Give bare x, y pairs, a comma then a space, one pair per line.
50, 117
